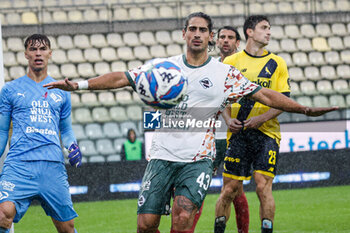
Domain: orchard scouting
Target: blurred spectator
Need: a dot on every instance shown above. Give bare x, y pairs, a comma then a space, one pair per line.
132, 149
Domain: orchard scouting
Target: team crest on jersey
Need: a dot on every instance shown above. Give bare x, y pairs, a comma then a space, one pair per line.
206, 83
268, 70
7, 185
3, 195
57, 98
141, 200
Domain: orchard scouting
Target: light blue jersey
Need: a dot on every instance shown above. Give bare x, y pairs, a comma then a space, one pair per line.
36, 113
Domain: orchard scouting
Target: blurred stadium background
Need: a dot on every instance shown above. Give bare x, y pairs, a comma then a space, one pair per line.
93, 37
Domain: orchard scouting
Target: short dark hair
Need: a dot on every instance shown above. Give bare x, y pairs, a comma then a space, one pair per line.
211, 44
43, 39
238, 36
252, 21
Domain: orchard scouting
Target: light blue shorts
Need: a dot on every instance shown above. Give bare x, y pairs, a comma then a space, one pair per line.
21, 182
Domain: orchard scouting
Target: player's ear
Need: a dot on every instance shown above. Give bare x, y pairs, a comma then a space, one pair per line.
211, 36
250, 32
26, 55
237, 43
183, 33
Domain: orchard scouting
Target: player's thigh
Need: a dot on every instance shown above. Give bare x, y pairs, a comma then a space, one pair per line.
156, 187
54, 193
238, 160
193, 180
266, 156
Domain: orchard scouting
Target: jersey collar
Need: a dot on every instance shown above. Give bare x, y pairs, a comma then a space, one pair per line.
193, 67
266, 53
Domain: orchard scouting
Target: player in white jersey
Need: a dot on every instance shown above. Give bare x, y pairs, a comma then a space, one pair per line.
182, 160
34, 167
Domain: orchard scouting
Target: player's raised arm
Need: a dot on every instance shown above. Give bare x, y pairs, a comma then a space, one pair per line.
276, 100
107, 81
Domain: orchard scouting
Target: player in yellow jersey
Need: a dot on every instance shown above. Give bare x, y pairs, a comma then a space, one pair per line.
255, 128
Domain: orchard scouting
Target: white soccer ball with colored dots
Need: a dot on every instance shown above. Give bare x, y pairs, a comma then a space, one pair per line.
161, 84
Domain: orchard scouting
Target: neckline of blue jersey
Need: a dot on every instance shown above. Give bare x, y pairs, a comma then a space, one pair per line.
194, 67
42, 81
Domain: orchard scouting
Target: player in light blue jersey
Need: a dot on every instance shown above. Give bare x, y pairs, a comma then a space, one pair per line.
34, 167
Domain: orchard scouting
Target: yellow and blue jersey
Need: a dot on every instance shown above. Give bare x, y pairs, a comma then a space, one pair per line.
269, 71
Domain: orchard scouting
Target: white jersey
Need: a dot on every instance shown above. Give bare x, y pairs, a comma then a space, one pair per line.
211, 86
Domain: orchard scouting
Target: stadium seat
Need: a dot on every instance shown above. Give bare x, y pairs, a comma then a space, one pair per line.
75, 56
312, 73
131, 39
335, 115
323, 30
102, 68
341, 86
342, 5
100, 114
106, 98
109, 54
173, 49
211, 9
13, 18
86, 70
59, 16
69, 71
59, 56
118, 66
53, 42
339, 29
136, 13
270, 8
94, 131
142, 53
105, 147
336, 43
87, 147
6, 75
81, 41
46, 17
89, 99
166, 12
147, 38
113, 158
118, 144
115, 40
75, 16
126, 125
21, 59
347, 99
29, 18
320, 44
332, 57
304, 44
75, 100
134, 64
343, 71
82, 115
304, 100
125, 53
120, 13
300, 59
345, 56
285, 117
288, 45
274, 46
328, 72
324, 87
123, 97
292, 31
54, 71
294, 89
15, 44
4, 45
307, 30
227, 9
92, 55
326, 6
316, 58
136, 98
346, 40
296, 74
65, 42
158, 51
79, 132
134, 112
111, 130
287, 58
163, 37
90, 15
308, 88
9, 59
16, 72
118, 114
98, 41
277, 32
320, 101
285, 7
97, 159
151, 13
255, 8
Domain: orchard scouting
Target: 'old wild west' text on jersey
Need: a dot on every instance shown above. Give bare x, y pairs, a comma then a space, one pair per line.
269, 71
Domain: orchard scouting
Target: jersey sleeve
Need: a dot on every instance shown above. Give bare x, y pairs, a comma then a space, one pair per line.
283, 78
5, 102
237, 86
66, 107
133, 73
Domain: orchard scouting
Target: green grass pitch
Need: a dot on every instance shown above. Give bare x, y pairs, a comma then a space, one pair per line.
313, 210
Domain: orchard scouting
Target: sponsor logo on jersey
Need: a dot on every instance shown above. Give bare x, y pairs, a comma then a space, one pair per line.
3, 195
45, 95
21, 94
243, 70
7, 185
269, 69
146, 185
141, 200
57, 98
263, 83
41, 131
151, 120
206, 83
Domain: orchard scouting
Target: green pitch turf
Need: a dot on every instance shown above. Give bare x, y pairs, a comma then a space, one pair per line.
314, 210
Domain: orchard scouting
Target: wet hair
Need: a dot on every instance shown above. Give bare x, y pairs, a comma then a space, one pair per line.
207, 18
238, 36
252, 21
37, 38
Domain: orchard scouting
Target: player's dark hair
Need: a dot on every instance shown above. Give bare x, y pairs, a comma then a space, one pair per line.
252, 21
207, 18
35, 38
238, 36
129, 134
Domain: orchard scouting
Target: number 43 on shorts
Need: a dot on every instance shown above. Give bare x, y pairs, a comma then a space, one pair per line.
204, 181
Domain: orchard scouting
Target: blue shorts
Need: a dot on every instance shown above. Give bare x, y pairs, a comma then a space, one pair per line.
21, 182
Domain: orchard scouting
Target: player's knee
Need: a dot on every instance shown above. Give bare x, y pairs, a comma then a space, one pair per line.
182, 220
65, 227
229, 192
144, 227
5, 218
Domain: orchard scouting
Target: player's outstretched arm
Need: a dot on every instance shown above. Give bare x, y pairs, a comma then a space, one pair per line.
5, 122
107, 81
276, 100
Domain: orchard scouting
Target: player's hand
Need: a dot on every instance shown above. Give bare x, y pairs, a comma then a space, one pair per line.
314, 112
65, 85
75, 155
234, 125
254, 122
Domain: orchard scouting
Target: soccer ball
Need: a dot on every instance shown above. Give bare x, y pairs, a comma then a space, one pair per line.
161, 84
